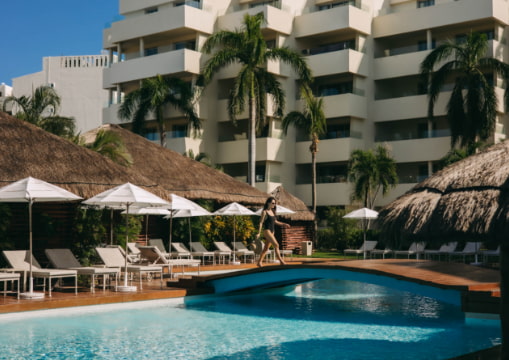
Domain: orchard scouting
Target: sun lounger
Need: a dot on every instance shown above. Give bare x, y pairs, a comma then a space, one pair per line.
20, 261
224, 252
153, 256
445, 249
487, 253
470, 249
364, 250
415, 249
65, 259
160, 245
197, 249
380, 252
5, 277
113, 258
246, 253
181, 250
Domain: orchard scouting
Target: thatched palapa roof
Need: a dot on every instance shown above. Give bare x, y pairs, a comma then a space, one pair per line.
27, 150
468, 199
181, 175
292, 202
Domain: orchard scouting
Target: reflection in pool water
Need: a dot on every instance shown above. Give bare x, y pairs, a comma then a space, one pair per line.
324, 319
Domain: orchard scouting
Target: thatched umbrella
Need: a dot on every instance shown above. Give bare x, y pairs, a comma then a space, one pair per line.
181, 175
299, 208
466, 200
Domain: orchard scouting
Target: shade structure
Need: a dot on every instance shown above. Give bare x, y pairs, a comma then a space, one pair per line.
280, 210
31, 190
365, 215
189, 213
181, 203
146, 212
234, 209
124, 196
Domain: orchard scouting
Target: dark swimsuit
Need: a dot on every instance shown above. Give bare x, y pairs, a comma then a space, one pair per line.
269, 222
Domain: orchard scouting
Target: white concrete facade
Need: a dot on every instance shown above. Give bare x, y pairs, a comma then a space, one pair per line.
5, 91
365, 57
78, 82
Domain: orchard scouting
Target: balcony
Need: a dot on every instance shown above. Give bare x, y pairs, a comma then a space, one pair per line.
420, 150
393, 194
267, 149
178, 20
441, 15
346, 18
330, 150
277, 21
343, 105
222, 109
184, 144
172, 62
326, 194
336, 62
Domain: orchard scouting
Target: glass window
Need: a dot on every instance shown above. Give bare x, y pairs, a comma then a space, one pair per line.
151, 51
425, 3
151, 10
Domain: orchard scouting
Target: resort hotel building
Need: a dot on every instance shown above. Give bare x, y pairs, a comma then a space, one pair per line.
365, 57
78, 82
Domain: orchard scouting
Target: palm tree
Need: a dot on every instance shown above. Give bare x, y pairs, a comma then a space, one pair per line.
371, 172
203, 158
152, 97
248, 48
314, 123
110, 145
471, 110
41, 109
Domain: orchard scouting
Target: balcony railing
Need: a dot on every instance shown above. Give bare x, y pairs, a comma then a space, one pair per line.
193, 3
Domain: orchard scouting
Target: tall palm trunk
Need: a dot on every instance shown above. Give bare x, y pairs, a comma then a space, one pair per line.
251, 162
504, 300
314, 149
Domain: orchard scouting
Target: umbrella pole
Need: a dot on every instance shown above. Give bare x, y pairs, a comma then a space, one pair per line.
31, 294
189, 227
171, 226
126, 288
111, 227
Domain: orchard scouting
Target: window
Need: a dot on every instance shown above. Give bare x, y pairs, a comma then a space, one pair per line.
191, 45
192, 3
423, 45
336, 4
425, 3
273, 3
151, 10
178, 131
151, 51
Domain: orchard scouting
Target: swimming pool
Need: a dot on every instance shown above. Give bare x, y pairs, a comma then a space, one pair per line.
324, 319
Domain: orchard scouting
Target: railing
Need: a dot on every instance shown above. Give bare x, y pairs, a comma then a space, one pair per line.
193, 3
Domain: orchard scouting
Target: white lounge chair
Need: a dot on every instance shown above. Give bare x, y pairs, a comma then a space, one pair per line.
134, 252
246, 253
445, 249
160, 245
181, 250
471, 249
380, 252
197, 249
65, 259
416, 249
364, 250
5, 277
153, 256
20, 261
113, 258
224, 252
487, 253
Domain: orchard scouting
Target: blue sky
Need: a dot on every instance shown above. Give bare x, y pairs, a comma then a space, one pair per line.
33, 29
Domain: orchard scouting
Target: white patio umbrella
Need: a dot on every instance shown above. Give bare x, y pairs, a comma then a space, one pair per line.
31, 190
280, 210
234, 209
363, 214
125, 196
148, 211
189, 213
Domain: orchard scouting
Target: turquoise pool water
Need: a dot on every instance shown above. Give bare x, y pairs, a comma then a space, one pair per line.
325, 319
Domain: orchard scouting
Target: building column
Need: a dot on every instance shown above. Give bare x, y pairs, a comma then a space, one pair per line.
119, 94
429, 40
142, 47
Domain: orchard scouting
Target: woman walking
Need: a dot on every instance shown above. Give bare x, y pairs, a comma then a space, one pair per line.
268, 221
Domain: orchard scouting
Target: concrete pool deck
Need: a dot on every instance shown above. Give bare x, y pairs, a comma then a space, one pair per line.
479, 285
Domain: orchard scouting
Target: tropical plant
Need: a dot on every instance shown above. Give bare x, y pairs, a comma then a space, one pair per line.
134, 226
110, 145
314, 123
372, 171
248, 48
88, 233
471, 110
203, 158
152, 97
41, 109
219, 228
